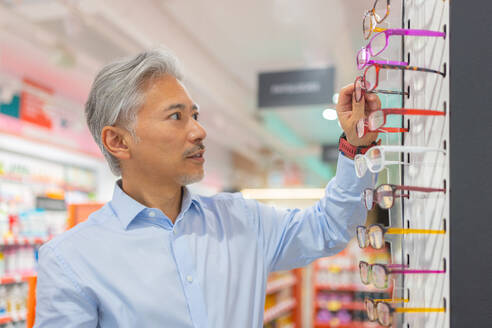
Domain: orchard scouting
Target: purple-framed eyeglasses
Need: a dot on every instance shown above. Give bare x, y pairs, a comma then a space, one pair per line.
379, 42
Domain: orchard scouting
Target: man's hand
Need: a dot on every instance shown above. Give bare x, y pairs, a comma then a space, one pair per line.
350, 112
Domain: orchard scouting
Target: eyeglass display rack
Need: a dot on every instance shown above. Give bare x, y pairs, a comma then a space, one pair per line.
423, 90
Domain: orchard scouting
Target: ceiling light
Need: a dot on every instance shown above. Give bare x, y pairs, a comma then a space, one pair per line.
335, 98
330, 114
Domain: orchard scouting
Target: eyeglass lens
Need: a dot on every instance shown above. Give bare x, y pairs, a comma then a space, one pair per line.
364, 273
381, 10
374, 159
371, 311
384, 314
376, 236
385, 196
376, 120
379, 277
367, 24
360, 166
378, 43
369, 198
370, 77
362, 237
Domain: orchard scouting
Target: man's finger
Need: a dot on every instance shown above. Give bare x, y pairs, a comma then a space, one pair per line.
373, 102
345, 97
357, 109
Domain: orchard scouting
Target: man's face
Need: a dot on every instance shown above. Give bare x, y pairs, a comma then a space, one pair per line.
168, 133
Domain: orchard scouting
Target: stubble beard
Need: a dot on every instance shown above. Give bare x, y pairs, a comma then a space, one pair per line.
191, 178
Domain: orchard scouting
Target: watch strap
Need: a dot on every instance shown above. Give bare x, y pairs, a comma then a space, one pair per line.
350, 150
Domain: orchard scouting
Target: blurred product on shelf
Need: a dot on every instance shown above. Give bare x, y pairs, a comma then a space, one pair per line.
282, 302
33, 209
18, 260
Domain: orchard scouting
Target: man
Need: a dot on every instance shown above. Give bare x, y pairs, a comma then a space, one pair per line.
157, 255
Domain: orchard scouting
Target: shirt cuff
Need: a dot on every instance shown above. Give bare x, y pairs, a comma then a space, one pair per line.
347, 179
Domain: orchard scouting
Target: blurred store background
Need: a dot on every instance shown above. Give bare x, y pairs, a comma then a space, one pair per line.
52, 174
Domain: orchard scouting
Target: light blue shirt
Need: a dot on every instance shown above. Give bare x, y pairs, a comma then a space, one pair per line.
129, 266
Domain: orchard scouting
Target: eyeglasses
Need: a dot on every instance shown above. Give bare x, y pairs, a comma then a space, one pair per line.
373, 235
384, 195
383, 312
376, 120
360, 88
376, 15
379, 42
370, 78
375, 158
378, 274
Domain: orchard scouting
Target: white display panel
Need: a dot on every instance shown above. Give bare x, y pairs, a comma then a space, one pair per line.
430, 169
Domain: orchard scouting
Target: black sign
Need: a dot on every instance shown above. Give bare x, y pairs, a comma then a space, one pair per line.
296, 88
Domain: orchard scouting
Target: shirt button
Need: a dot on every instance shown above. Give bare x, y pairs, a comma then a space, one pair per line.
189, 278
151, 214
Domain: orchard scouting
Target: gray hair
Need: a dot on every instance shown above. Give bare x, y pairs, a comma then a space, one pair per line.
118, 92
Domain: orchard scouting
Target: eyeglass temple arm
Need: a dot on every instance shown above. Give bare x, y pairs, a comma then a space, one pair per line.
423, 189
416, 271
415, 310
389, 92
386, 62
391, 300
402, 31
396, 265
404, 231
409, 111
391, 130
407, 149
411, 68
393, 162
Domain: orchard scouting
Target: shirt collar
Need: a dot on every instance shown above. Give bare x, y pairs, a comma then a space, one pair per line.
127, 209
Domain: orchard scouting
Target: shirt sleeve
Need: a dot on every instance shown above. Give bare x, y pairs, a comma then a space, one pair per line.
294, 238
60, 301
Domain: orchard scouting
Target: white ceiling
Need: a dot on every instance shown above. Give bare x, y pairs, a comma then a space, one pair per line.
223, 45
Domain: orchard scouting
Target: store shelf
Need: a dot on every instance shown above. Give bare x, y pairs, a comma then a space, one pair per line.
23, 241
278, 310
14, 178
279, 284
349, 288
14, 279
15, 317
336, 306
354, 324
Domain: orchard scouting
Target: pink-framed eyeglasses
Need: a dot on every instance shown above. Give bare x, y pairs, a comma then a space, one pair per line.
380, 41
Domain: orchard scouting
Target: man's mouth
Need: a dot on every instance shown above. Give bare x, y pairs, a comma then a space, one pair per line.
197, 155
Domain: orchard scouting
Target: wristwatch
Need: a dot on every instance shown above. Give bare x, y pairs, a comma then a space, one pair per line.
349, 150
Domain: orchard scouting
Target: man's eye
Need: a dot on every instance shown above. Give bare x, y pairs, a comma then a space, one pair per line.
175, 116
195, 116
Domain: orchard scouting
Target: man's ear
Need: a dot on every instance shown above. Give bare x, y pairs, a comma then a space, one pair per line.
115, 140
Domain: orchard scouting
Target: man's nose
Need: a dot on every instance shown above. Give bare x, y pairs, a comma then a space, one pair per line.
197, 132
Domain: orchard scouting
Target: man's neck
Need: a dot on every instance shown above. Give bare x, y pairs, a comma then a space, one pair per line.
166, 197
